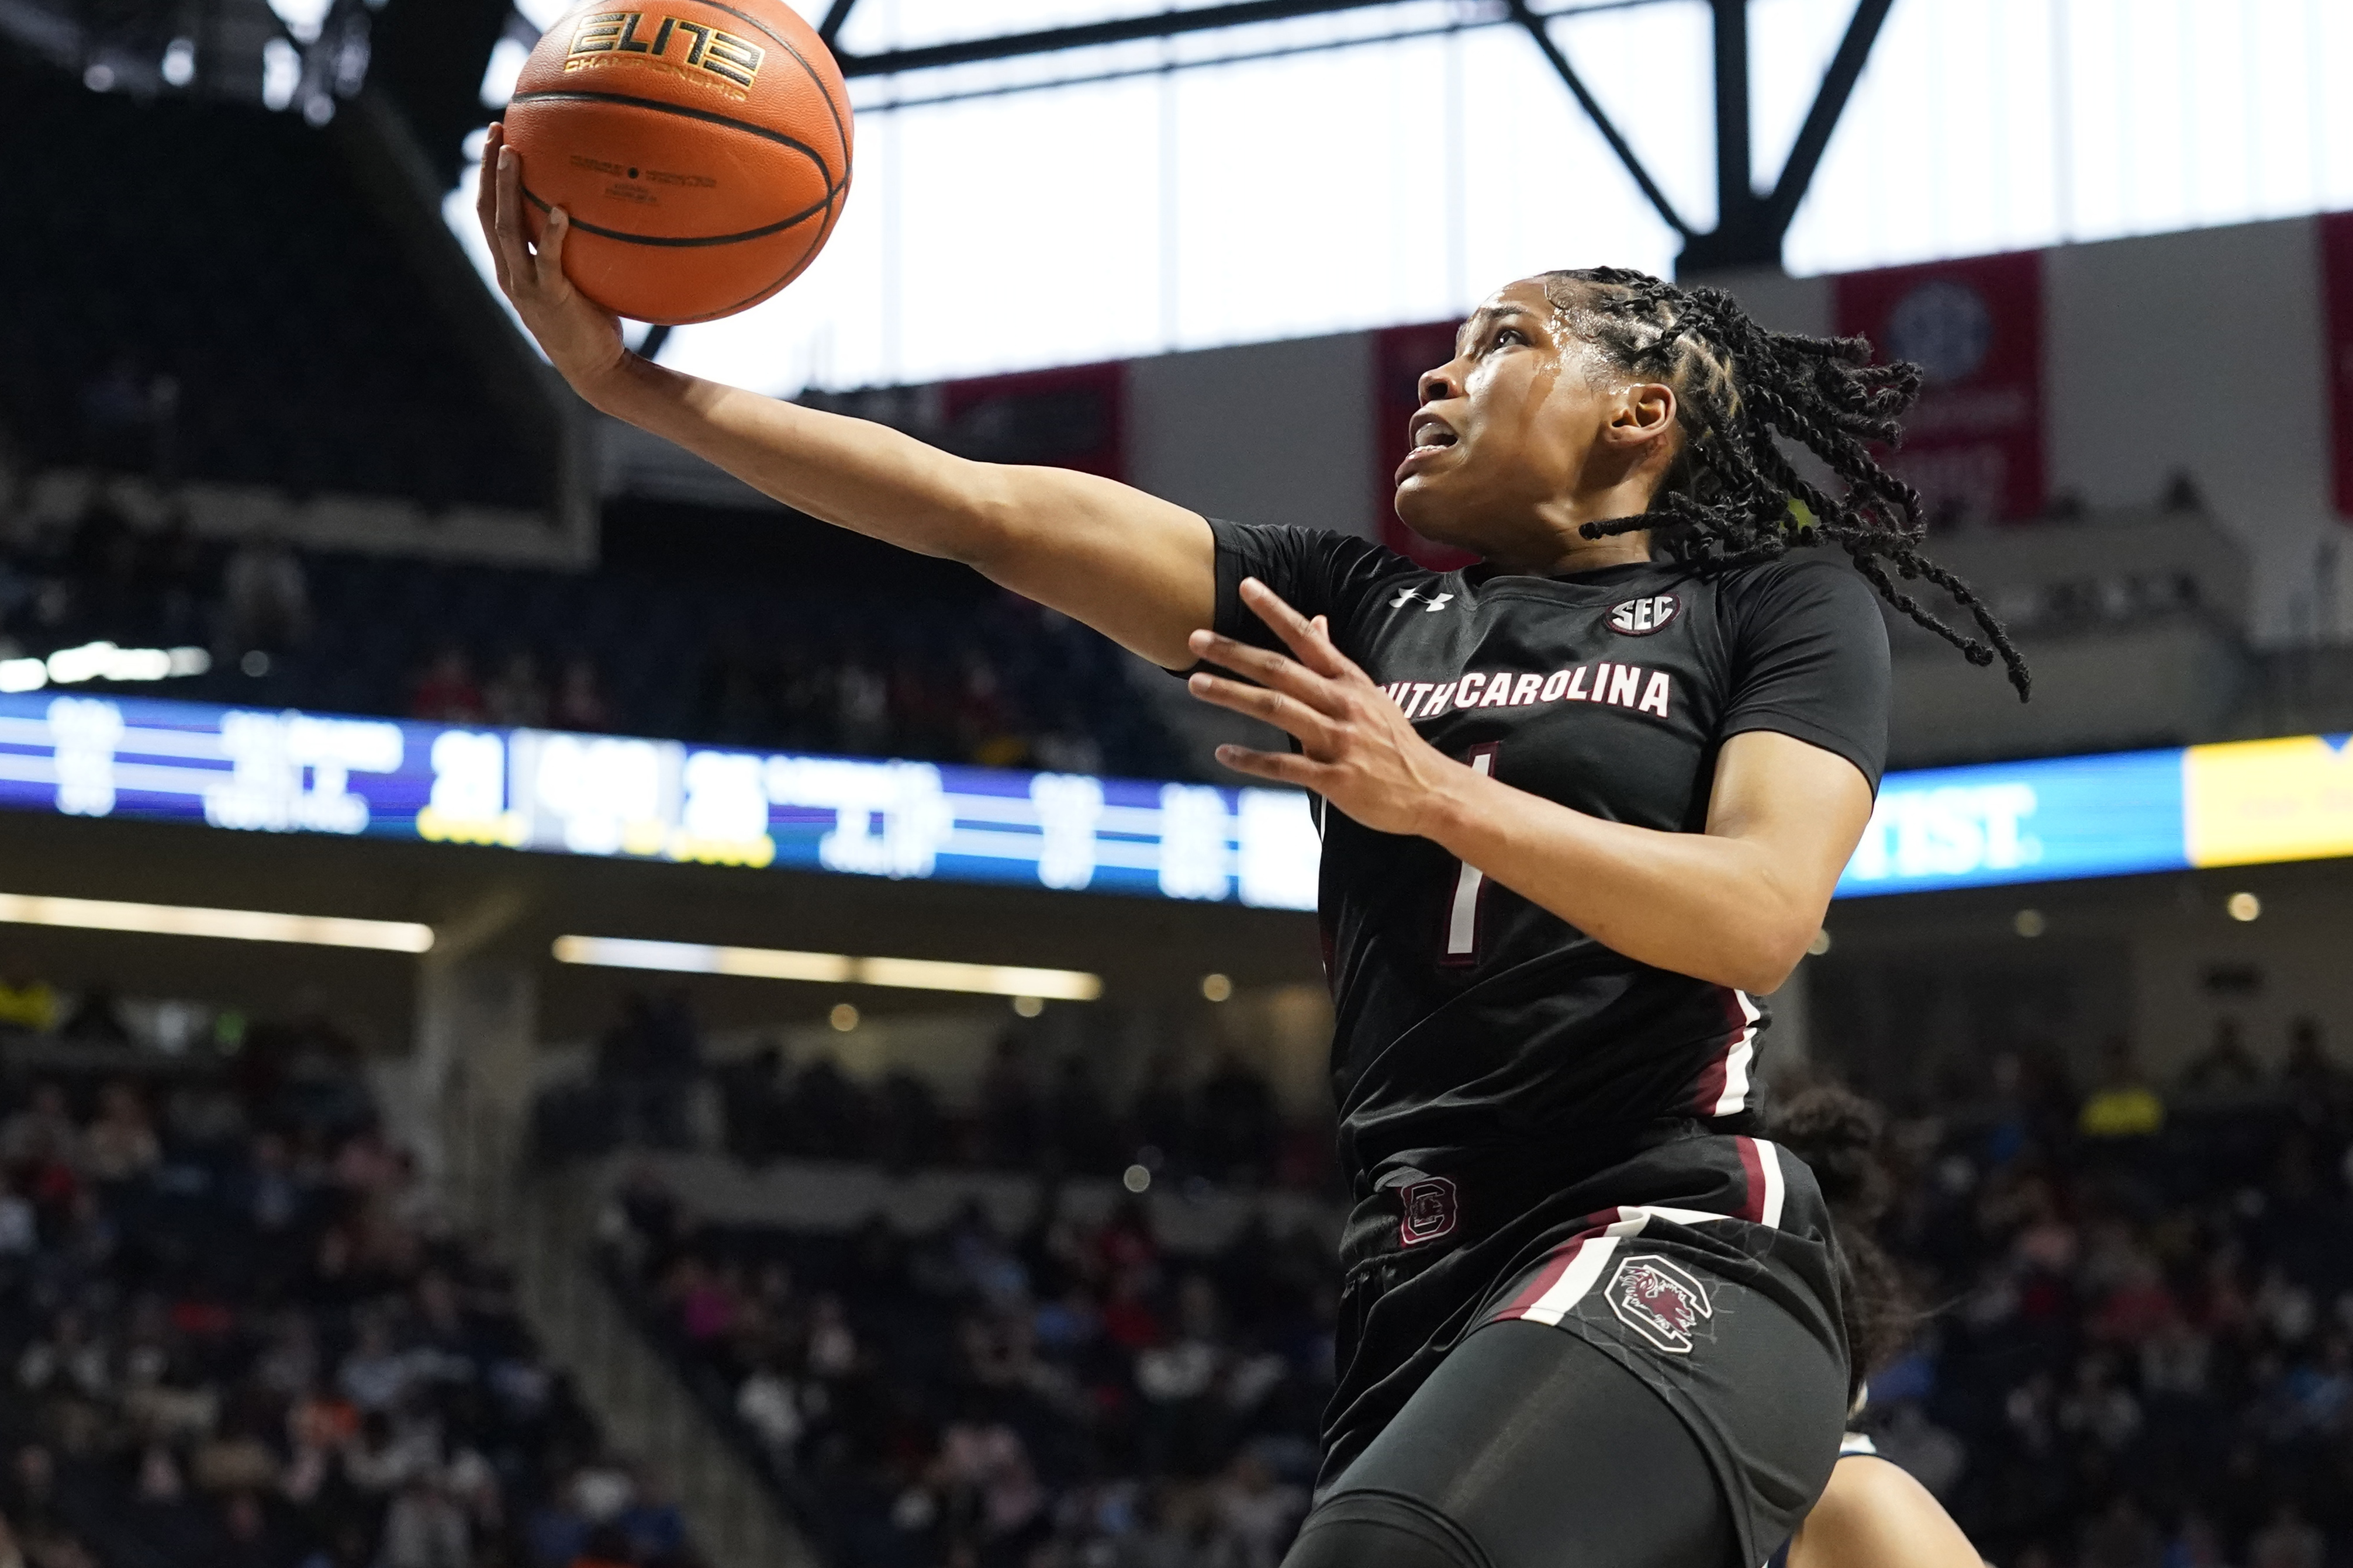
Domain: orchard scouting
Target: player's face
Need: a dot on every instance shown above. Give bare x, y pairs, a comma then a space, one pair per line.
1519, 433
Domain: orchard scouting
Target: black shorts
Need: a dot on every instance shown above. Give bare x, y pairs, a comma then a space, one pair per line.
1687, 1294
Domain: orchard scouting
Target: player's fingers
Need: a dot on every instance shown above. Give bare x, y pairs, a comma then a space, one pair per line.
1283, 767
551, 248
1304, 637
508, 237
486, 192
486, 202
1267, 669
1285, 712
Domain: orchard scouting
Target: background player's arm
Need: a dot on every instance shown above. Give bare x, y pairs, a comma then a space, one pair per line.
1140, 570
1737, 904
1874, 1515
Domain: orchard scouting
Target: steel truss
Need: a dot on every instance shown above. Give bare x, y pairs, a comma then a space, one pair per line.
1750, 224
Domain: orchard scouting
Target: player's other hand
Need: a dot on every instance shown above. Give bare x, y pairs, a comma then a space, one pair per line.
1357, 750
582, 341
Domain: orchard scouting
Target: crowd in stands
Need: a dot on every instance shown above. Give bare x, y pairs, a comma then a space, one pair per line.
1071, 1396
1219, 1123
268, 330
235, 1331
2133, 1348
2136, 1349
1032, 1116
971, 676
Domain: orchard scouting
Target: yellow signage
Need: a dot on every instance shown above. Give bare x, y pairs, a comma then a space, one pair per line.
2252, 802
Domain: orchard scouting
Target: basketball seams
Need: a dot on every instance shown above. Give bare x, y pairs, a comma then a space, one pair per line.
693, 241
840, 130
549, 97
631, 101
808, 256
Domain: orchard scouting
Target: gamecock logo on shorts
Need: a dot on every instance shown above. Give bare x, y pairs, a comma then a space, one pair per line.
1429, 1211
1660, 1301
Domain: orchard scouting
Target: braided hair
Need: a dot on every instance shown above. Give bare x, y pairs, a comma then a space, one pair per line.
1727, 500
1839, 1136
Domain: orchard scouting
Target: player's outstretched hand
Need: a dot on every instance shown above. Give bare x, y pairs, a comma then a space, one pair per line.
1357, 750
581, 340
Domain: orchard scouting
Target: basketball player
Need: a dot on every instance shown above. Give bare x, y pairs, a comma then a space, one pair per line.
1872, 1514
1579, 803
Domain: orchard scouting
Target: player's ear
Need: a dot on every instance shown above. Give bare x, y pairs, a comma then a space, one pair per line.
1645, 411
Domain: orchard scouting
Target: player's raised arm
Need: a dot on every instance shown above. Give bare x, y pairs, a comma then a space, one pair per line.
1138, 569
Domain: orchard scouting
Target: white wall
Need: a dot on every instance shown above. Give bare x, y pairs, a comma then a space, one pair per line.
2201, 351
1275, 432
2198, 351
2297, 951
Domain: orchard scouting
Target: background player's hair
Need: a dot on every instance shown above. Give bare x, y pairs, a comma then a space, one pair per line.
1838, 1134
1738, 386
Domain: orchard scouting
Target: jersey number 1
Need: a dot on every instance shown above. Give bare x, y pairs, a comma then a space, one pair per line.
1462, 909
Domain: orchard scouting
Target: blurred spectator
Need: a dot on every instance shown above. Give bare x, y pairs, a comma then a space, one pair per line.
753, 1104
1258, 1514
2124, 1105
173, 578
646, 1062
2288, 1541
1079, 1128
265, 596
580, 703
2223, 1067
127, 415
1011, 1114
732, 706
445, 692
909, 1127
26, 1000
826, 1118
1237, 1125
2310, 1074
102, 561
41, 1132
516, 695
120, 1145
1164, 1113
97, 1017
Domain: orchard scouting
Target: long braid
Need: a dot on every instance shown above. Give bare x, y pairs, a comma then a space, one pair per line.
1740, 390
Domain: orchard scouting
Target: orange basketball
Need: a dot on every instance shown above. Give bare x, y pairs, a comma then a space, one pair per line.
701, 150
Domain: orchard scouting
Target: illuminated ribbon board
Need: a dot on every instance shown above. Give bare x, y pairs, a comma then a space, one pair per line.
280, 772
2242, 803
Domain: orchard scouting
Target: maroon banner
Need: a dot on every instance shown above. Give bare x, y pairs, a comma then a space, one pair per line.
2337, 294
1401, 356
1973, 443
1072, 418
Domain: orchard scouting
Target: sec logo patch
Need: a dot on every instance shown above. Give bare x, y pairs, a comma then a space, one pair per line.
1640, 618
1659, 1301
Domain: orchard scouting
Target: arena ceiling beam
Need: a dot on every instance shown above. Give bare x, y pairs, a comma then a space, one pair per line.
1751, 224
836, 14
1082, 36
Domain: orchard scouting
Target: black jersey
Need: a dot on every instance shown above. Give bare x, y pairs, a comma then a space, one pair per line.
1471, 1022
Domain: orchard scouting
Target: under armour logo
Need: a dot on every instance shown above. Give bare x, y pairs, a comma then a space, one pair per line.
1407, 596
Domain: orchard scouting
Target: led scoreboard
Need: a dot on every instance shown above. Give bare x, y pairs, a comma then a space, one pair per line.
608, 796
284, 772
